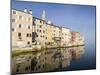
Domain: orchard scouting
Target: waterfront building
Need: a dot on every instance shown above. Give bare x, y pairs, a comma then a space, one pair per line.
39, 26
53, 34
56, 35
77, 38
28, 30
49, 33
65, 36
21, 23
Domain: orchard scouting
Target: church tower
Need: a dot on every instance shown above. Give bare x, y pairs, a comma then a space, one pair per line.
43, 15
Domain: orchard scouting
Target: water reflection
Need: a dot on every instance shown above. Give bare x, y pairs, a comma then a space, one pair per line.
46, 60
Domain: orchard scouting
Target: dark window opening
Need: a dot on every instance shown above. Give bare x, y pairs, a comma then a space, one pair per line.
43, 65
14, 12
17, 70
39, 67
40, 26
28, 42
27, 34
19, 35
26, 68
40, 30
30, 35
19, 25
13, 29
28, 27
40, 21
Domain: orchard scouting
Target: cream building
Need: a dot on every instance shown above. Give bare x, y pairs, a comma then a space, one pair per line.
56, 35
65, 37
49, 33
52, 34
21, 23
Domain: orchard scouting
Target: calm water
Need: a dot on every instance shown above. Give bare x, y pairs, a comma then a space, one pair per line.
60, 59
87, 61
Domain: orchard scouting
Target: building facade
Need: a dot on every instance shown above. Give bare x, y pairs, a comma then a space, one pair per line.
56, 35
21, 28
65, 37
77, 38
27, 29
39, 26
49, 33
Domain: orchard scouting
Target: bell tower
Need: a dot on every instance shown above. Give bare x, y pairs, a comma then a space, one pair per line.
43, 15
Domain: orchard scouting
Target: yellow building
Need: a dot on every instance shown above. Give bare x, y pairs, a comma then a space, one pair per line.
49, 33
56, 35
21, 23
65, 37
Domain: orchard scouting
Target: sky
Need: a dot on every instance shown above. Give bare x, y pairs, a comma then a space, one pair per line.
80, 18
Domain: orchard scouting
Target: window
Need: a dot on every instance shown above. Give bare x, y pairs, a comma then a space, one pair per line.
28, 42
28, 27
19, 25
20, 17
37, 35
30, 35
43, 31
43, 22
43, 65
40, 35
40, 21
40, 30
33, 22
14, 12
37, 30
40, 26
19, 35
13, 20
13, 29
17, 70
26, 68
39, 67
27, 34
43, 36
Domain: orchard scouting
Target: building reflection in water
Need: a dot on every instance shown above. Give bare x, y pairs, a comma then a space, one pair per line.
46, 60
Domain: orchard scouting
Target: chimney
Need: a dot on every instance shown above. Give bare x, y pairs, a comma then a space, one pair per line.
25, 10
49, 22
30, 11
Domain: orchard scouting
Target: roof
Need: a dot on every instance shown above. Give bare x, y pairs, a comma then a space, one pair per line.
21, 11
